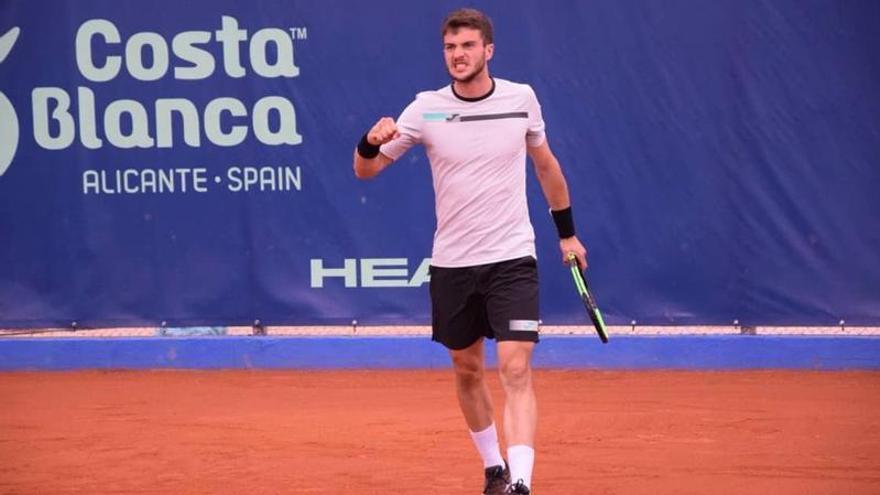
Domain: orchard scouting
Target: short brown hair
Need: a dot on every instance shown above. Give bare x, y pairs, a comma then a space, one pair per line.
470, 18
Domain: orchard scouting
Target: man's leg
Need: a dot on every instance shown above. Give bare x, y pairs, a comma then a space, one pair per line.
520, 407
459, 323
470, 385
476, 406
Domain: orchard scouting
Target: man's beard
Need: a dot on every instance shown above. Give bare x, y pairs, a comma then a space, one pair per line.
470, 77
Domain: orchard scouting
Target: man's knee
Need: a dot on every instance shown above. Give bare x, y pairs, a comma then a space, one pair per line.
468, 367
516, 372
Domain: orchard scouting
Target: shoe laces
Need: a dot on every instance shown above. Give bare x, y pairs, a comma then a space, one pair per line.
519, 488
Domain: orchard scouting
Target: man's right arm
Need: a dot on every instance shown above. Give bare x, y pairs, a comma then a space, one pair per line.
366, 168
368, 161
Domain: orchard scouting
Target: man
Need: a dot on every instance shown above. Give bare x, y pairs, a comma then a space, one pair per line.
484, 282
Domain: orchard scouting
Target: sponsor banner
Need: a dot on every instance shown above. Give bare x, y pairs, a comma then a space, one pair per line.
191, 162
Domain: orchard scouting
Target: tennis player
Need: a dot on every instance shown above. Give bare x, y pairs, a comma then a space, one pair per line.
484, 281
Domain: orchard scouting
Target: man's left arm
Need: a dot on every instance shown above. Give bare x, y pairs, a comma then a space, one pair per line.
556, 191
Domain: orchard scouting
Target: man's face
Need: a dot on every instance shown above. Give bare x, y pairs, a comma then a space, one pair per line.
465, 53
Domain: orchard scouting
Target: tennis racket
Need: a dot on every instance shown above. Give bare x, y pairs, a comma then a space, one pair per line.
587, 297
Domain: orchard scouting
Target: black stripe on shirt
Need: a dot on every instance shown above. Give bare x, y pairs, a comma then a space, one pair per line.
488, 116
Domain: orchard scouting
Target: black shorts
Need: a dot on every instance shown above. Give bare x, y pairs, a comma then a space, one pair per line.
498, 300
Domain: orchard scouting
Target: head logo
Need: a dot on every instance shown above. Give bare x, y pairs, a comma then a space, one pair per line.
8, 117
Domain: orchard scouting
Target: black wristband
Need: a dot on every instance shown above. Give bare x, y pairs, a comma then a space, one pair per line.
564, 222
367, 149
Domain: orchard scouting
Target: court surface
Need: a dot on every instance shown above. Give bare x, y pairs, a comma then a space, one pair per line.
384, 432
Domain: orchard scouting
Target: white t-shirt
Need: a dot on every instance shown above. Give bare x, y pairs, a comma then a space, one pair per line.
477, 151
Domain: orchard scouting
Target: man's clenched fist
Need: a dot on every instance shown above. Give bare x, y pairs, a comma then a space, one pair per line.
383, 131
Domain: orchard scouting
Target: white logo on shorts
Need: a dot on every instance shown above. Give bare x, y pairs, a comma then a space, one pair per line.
524, 325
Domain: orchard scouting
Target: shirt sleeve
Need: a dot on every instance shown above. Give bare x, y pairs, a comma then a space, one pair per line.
409, 127
535, 135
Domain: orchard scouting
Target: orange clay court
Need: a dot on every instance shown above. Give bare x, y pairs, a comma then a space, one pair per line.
384, 432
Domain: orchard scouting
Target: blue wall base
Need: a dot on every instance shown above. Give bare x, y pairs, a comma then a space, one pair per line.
624, 352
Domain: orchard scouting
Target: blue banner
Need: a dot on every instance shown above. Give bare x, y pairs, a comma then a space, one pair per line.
190, 162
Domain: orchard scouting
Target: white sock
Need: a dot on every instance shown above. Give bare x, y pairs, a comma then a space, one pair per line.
486, 442
521, 459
